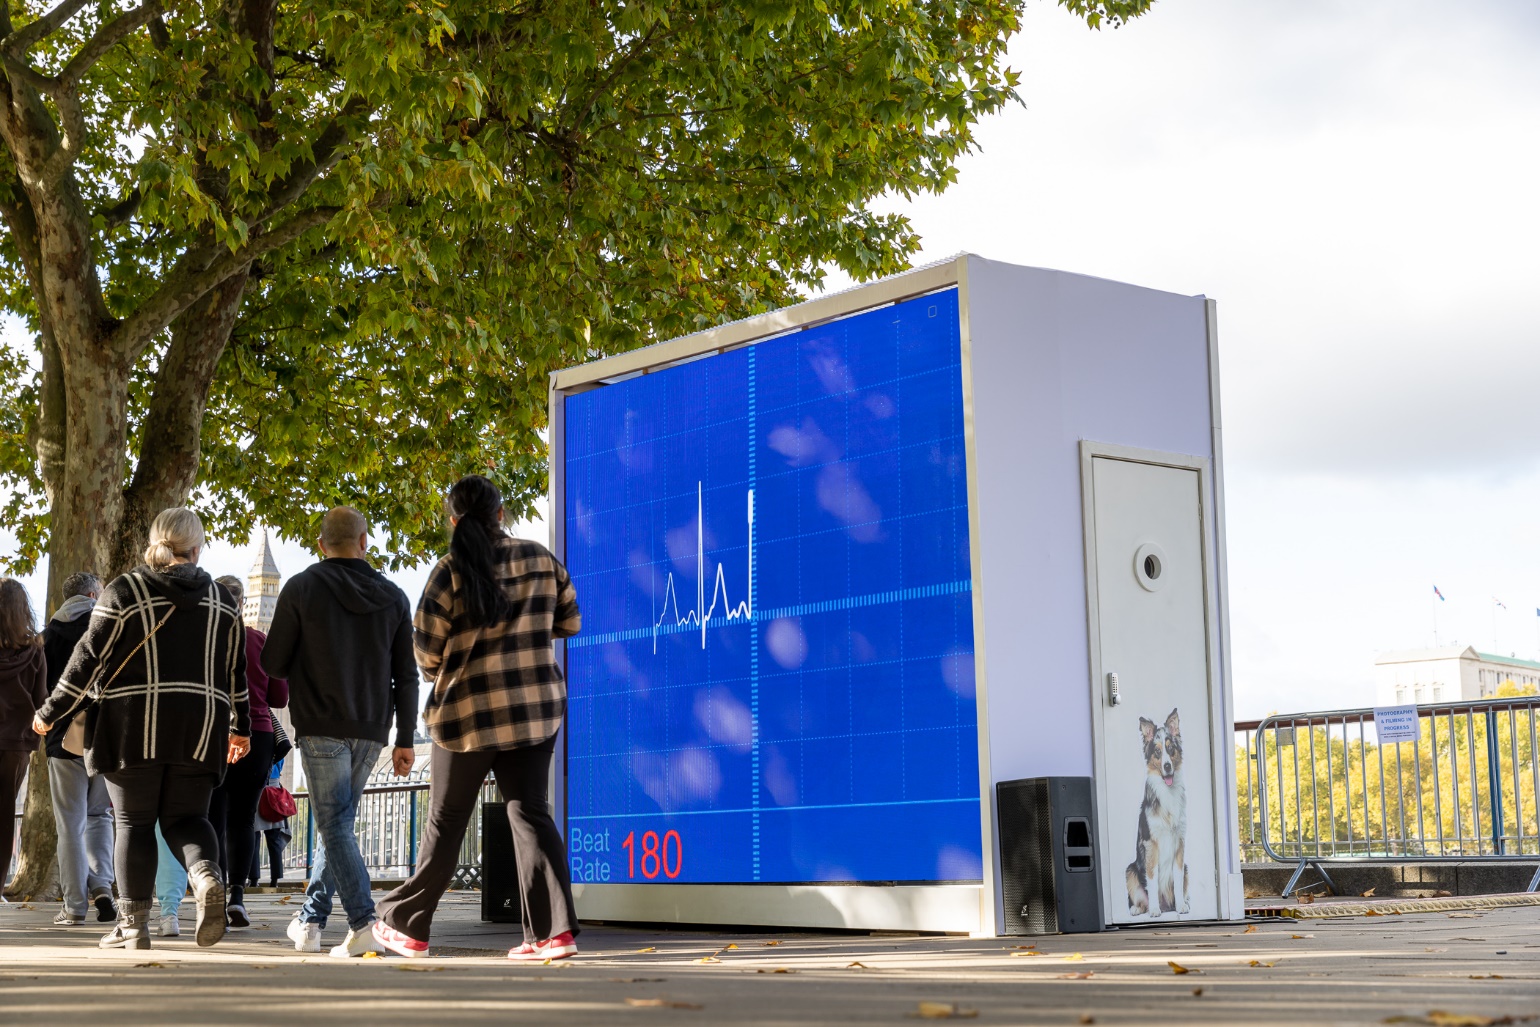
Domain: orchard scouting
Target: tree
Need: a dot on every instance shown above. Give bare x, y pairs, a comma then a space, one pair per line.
289, 255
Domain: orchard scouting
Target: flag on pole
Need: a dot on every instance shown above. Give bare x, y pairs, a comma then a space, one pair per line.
1441, 598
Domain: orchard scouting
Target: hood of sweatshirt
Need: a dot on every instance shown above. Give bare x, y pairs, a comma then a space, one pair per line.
356, 586
73, 608
185, 584
14, 660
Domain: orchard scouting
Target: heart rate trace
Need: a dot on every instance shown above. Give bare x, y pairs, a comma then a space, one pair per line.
702, 614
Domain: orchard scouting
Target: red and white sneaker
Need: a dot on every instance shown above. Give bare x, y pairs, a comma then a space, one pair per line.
394, 941
562, 946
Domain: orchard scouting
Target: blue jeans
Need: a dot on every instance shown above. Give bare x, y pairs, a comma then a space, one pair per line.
170, 878
83, 815
336, 770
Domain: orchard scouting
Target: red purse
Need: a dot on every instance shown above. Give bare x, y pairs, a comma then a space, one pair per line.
276, 804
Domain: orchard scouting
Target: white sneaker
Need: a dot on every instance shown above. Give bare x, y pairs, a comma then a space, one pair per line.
306, 937
357, 943
170, 927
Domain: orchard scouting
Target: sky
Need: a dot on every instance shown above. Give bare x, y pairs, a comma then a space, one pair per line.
1353, 182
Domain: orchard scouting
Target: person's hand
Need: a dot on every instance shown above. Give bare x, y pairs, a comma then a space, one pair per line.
38, 727
240, 745
402, 759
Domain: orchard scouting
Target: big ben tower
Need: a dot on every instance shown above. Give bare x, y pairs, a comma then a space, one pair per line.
262, 588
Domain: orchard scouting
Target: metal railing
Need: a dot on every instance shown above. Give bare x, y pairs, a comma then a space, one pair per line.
1321, 787
391, 818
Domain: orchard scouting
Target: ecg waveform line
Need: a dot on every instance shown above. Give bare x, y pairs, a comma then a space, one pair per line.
702, 614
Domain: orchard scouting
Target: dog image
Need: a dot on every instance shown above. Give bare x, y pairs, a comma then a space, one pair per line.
1159, 869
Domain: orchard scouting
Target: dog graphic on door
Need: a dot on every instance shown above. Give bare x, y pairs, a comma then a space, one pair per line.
1157, 878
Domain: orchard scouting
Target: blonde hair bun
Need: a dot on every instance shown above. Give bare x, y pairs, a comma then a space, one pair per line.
174, 534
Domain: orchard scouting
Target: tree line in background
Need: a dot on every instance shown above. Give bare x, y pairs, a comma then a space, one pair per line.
1437, 797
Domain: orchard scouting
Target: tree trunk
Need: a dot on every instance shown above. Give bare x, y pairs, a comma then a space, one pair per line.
37, 867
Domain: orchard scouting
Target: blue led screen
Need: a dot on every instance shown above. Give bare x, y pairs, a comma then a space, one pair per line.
774, 681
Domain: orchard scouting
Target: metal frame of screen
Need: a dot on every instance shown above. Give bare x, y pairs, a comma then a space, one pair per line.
926, 907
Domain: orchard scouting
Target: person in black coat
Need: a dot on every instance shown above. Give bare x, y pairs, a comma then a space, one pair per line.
161, 675
22, 688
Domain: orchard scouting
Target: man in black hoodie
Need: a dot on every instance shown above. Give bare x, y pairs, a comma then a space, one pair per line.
342, 635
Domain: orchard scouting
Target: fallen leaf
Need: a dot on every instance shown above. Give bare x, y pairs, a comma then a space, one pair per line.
1023, 946
1178, 968
1250, 930
1073, 958
943, 1011
649, 948
1486, 977
732, 945
141, 966
1439, 1018
1029, 953
660, 1003
285, 899
708, 959
636, 980
1435, 950
1087, 975
1196, 992
1368, 893
1442, 894
1258, 962
777, 970
768, 943
1306, 898
1298, 937
857, 966
371, 955
1087, 1018
1373, 912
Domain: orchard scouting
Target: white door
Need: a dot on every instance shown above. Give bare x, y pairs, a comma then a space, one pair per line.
1155, 779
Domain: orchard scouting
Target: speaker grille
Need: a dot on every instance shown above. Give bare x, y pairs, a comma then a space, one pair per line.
1026, 856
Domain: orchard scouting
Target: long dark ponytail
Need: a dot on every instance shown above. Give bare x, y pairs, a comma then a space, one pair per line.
474, 502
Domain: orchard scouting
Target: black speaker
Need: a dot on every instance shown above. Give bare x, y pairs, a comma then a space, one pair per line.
499, 871
1048, 857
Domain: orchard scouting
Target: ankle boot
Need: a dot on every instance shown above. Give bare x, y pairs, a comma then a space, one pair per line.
208, 886
133, 927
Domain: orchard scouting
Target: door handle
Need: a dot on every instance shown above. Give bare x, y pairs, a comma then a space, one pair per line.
1114, 697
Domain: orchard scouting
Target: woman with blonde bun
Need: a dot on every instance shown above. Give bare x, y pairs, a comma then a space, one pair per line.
161, 678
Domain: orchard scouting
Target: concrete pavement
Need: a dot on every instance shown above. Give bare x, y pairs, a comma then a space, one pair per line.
1431, 968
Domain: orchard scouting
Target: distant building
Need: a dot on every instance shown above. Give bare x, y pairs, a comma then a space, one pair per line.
262, 588
1448, 674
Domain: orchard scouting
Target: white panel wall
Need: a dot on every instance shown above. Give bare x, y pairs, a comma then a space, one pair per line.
1056, 358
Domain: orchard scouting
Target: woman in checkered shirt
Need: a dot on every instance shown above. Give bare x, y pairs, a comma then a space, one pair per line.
482, 634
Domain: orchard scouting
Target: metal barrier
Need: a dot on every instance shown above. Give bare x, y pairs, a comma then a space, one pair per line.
391, 818
1321, 788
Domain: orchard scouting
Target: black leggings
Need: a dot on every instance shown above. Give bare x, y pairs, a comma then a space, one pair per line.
176, 796
233, 810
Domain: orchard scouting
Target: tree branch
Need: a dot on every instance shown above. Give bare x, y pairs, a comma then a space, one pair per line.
107, 37
325, 152
119, 213
193, 279
34, 32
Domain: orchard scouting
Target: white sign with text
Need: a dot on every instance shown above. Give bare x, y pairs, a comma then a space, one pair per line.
1397, 724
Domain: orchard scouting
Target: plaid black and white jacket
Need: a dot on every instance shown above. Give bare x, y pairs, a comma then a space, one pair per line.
180, 695
498, 687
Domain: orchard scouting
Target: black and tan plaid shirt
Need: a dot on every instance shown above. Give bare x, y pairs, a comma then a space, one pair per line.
497, 687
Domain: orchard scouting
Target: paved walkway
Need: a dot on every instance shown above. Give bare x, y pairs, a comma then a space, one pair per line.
1353, 970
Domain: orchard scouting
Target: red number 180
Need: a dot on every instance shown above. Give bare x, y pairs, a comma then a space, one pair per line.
655, 857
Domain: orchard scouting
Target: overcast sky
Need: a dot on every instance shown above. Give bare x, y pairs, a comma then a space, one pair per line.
1354, 183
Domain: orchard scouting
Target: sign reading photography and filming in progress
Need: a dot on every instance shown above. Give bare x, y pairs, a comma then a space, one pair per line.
775, 679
